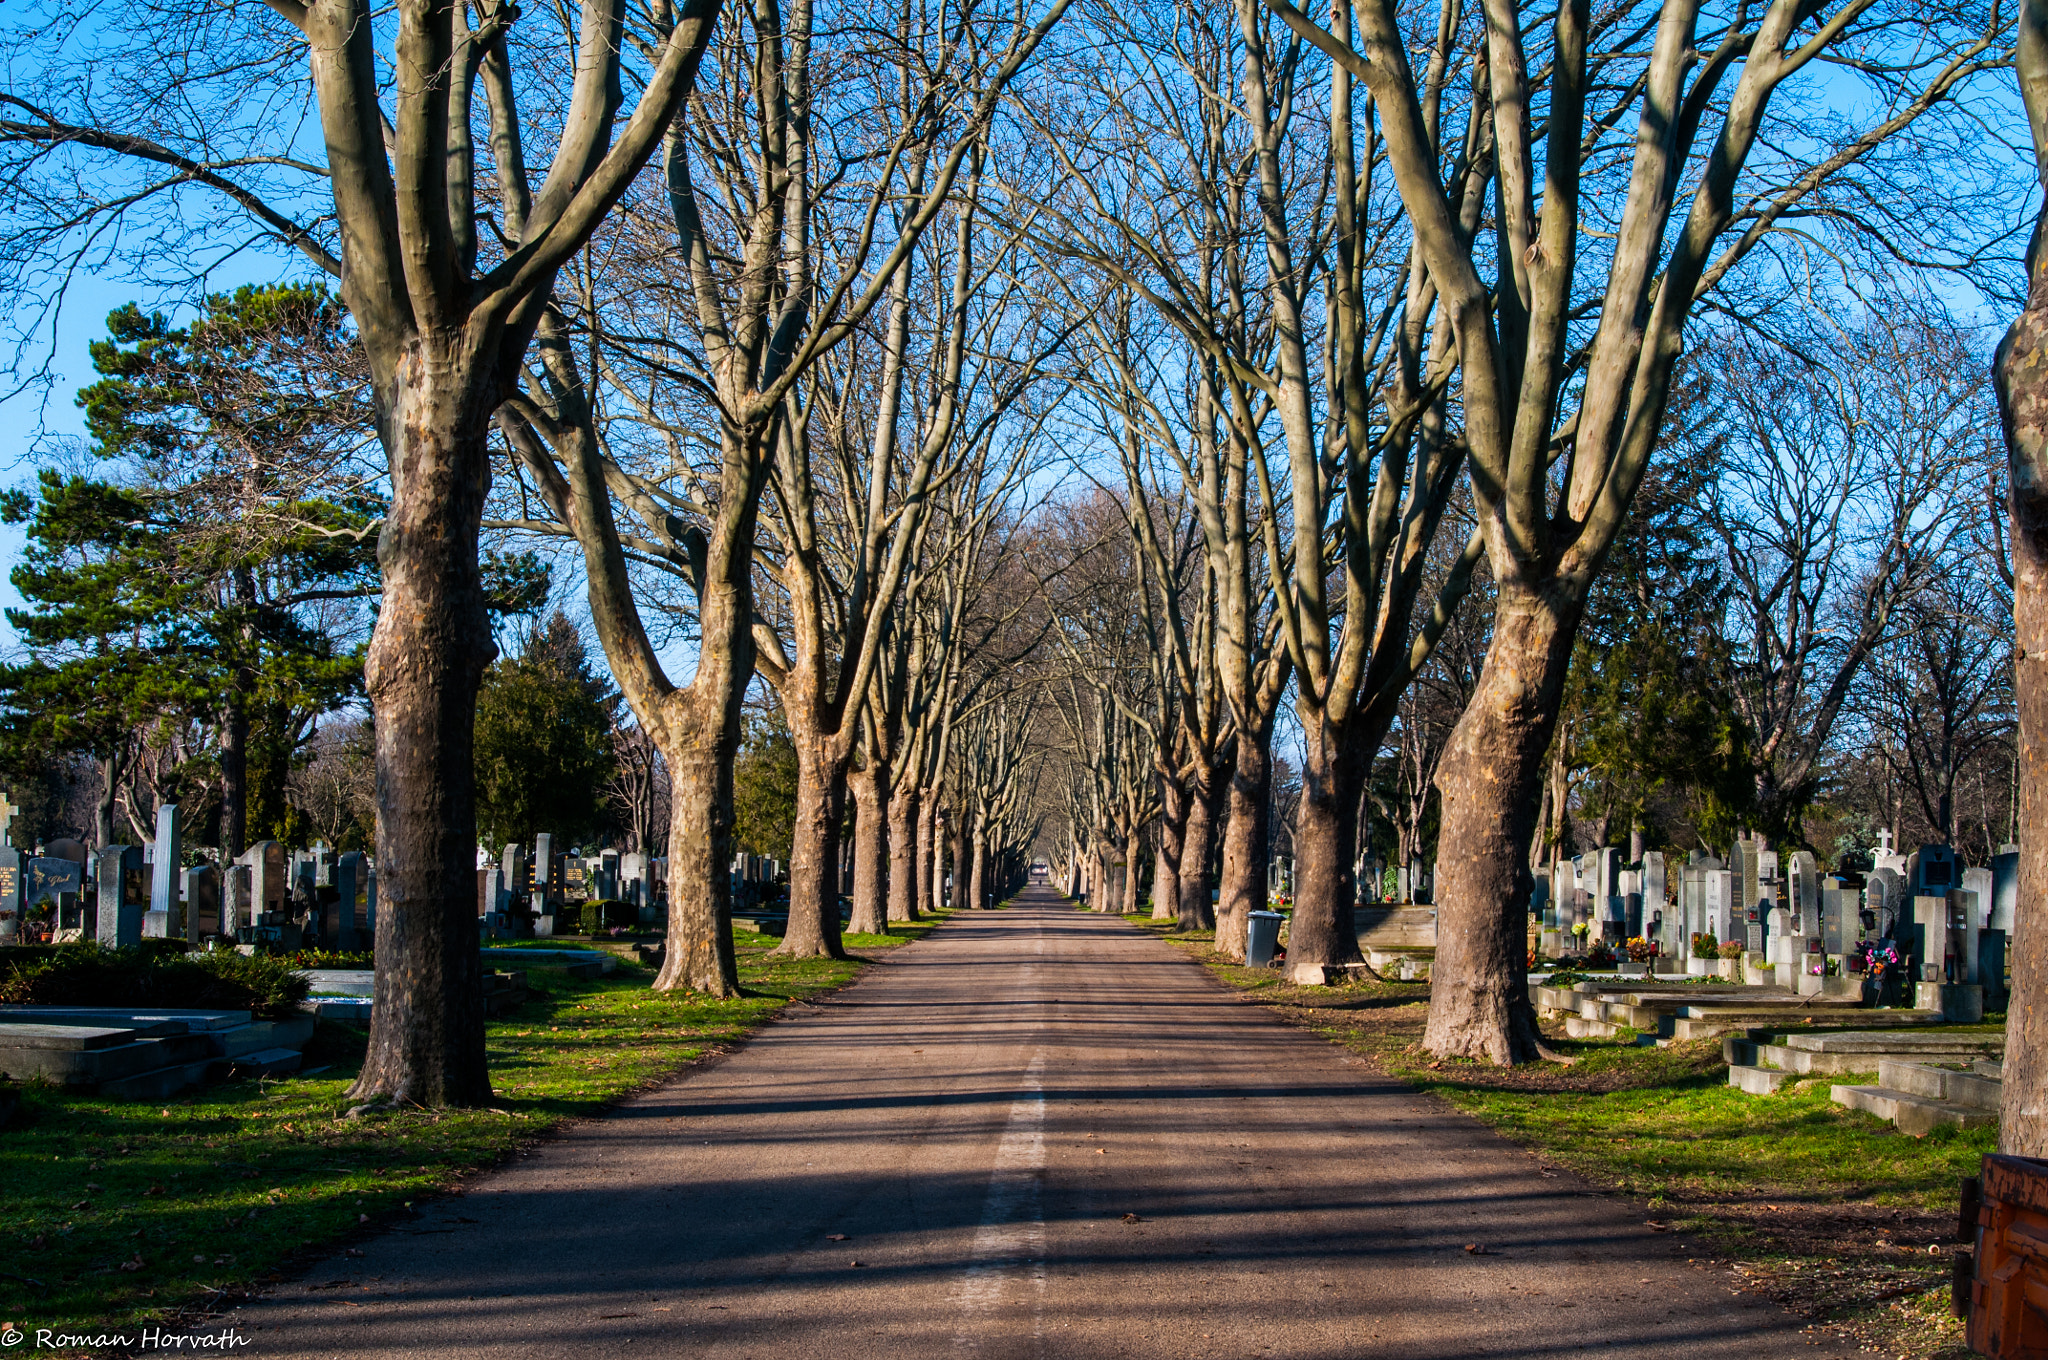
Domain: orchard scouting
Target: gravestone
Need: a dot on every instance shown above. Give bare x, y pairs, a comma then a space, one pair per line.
265, 861
1721, 906
11, 903
1802, 895
348, 890
1985, 886
237, 900
547, 868
47, 880
1932, 869
1930, 937
1841, 925
1963, 915
202, 902
1887, 856
166, 859
1884, 896
1742, 863
2005, 888
633, 876
123, 896
1654, 886
1778, 937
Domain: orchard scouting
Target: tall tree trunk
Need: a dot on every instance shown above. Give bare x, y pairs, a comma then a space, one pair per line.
1127, 901
869, 786
931, 852
2021, 374
103, 806
1491, 780
234, 781
1106, 876
977, 895
426, 660
904, 826
813, 930
1325, 845
1198, 846
1173, 816
1243, 888
960, 873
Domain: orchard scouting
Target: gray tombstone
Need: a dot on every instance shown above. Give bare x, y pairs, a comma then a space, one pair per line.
202, 902
11, 903
1983, 883
2005, 888
1930, 922
1743, 863
1840, 924
166, 859
348, 879
1778, 935
1964, 916
547, 872
237, 900
1885, 896
265, 861
1654, 884
1802, 897
66, 848
122, 900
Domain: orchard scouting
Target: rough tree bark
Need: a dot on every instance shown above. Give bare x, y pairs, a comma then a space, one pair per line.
1243, 888
907, 833
2021, 374
869, 788
1198, 846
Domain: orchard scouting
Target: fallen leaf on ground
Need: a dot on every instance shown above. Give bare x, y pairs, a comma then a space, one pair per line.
856, 1263
835, 1237
1654, 1226
1479, 1249
1132, 1218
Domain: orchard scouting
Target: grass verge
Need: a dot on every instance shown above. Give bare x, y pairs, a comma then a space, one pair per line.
1833, 1213
121, 1213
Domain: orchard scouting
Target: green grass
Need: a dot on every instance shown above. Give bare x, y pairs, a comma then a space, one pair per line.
222, 1188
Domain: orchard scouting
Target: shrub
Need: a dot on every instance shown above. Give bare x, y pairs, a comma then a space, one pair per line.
88, 975
1704, 945
1732, 949
608, 914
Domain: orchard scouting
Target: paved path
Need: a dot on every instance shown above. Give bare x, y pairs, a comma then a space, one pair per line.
978, 1115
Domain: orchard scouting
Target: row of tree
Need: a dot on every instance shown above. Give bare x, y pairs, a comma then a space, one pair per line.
1362, 327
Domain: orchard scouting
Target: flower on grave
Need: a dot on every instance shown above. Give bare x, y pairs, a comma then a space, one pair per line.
1818, 970
1581, 928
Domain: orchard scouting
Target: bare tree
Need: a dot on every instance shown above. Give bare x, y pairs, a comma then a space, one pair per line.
1538, 385
1837, 499
444, 312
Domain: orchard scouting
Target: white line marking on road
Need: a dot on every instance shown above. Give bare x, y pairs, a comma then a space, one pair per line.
1010, 1243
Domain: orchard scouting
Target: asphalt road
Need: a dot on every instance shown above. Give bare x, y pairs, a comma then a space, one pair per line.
1040, 1133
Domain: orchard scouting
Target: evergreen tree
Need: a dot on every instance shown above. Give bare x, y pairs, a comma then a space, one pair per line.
544, 758
764, 786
